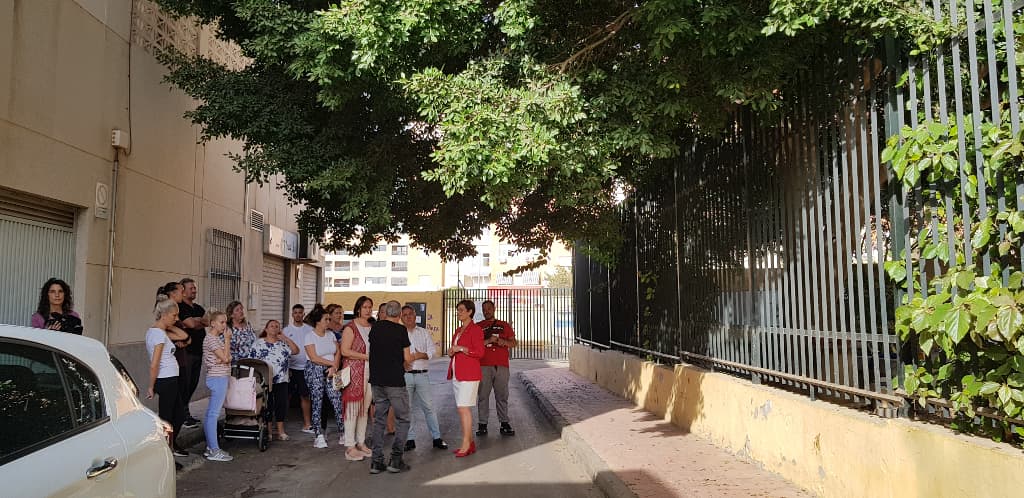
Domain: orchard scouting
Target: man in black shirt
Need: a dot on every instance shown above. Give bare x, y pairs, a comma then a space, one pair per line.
389, 352
193, 316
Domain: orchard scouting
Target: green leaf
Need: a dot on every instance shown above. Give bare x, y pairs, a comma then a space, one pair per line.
957, 322
1004, 393
964, 279
989, 388
897, 270
982, 234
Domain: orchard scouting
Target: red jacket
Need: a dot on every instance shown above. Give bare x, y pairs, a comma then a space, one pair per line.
466, 366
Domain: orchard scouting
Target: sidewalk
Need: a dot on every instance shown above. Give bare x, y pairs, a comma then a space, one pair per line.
630, 452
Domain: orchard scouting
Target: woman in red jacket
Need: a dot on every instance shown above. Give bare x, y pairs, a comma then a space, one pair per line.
464, 370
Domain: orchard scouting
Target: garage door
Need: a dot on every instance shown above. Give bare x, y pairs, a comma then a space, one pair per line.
37, 241
310, 286
272, 290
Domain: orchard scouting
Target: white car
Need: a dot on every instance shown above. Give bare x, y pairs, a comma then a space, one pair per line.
71, 423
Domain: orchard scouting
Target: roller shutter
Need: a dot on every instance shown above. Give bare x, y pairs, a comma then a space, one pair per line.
272, 290
310, 286
37, 241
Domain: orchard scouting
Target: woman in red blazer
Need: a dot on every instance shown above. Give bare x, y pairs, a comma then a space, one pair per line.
464, 370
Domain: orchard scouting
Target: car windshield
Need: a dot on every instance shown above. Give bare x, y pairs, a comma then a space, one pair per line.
125, 375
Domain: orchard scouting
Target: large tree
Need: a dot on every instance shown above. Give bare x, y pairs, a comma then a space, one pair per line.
438, 117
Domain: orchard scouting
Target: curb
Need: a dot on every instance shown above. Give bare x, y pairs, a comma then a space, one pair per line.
610, 484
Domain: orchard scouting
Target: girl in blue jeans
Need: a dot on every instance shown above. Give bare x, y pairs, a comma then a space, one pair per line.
217, 358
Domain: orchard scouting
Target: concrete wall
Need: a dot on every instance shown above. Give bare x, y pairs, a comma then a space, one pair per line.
434, 300
67, 70
830, 450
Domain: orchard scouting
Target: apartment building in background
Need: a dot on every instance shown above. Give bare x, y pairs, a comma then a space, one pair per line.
400, 267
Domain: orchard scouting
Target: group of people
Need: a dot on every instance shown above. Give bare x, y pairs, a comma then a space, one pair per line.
384, 361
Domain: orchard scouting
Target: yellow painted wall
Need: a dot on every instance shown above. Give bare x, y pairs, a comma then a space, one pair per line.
434, 300
830, 450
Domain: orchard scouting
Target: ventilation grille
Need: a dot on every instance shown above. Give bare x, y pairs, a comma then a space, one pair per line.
256, 220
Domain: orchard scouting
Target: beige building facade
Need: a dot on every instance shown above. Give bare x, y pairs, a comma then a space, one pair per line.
71, 72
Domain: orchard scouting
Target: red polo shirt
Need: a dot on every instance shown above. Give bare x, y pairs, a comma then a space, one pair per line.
495, 355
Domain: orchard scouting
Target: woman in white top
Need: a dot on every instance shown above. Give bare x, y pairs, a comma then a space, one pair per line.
163, 368
322, 350
355, 341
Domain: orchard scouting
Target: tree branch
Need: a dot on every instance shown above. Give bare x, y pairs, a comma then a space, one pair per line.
609, 31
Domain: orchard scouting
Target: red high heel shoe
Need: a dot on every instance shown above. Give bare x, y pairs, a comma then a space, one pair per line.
470, 451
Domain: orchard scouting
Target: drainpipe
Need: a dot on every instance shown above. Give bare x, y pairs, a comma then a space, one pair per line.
110, 250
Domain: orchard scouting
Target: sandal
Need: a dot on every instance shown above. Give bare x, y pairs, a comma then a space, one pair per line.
283, 437
354, 456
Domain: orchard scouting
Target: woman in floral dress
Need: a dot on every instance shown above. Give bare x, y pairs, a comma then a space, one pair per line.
276, 349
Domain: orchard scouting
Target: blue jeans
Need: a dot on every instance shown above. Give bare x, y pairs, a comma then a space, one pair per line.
421, 398
218, 391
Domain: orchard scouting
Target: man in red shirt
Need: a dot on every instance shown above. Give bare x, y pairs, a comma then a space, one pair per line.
498, 338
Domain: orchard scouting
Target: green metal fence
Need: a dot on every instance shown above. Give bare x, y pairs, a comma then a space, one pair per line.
762, 252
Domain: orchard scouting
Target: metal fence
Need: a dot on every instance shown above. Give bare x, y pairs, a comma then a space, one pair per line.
542, 318
764, 253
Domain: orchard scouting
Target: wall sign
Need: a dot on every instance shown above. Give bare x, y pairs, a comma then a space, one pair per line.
280, 242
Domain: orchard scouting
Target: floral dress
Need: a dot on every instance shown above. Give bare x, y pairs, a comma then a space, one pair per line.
242, 339
275, 354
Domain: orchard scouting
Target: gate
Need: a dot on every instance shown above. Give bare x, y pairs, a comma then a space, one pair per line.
542, 318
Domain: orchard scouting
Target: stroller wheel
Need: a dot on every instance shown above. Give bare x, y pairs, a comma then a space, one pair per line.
263, 440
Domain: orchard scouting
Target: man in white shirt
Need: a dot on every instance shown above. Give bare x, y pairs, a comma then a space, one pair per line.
296, 331
417, 380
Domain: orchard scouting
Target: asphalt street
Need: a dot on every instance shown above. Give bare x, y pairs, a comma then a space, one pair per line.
533, 463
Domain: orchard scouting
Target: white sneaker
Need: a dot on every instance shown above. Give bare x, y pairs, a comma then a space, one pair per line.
220, 456
309, 430
320, 442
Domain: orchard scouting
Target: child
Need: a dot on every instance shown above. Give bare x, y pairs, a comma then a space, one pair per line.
217, 358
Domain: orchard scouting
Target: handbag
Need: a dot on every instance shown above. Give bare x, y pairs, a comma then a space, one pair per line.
241, 393
342, 379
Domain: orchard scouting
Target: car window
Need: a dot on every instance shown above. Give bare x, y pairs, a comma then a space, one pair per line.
85, 392
33, 403
127, 377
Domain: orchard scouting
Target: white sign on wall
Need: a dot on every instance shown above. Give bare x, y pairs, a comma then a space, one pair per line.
280, 242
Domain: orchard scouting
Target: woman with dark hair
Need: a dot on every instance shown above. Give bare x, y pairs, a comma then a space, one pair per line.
321, 349
276, 349
54, 310
242, 335
464, 371
355, 340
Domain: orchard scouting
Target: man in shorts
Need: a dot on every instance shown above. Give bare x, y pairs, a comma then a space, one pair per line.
296, 331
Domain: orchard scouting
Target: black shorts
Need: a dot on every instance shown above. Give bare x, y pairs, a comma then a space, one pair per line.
297, 383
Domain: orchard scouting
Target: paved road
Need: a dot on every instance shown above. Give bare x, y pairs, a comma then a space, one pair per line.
532, 463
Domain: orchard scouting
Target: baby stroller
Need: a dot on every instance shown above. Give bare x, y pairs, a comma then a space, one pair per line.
251, 423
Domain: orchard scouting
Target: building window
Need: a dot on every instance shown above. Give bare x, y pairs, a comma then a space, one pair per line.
343, 266
355, 282
399, 281
341, 252
376, 264
399, 250
486, 257
225, 268
380, 248
399, 266
355, 266
504, 280
375, 280
330, 265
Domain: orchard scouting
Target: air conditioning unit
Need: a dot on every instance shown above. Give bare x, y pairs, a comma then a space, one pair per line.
309, 250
